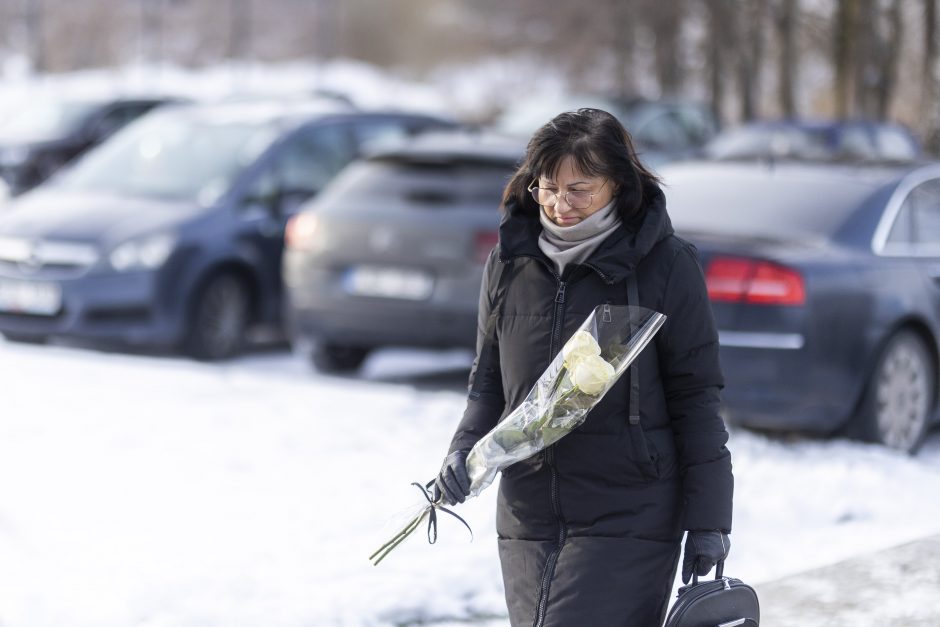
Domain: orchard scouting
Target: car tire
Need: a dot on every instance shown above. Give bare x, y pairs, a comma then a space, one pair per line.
338, 358
898, 403
218, 318
25, 338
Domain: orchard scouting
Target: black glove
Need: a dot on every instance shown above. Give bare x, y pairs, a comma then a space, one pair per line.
453, 482
703, 549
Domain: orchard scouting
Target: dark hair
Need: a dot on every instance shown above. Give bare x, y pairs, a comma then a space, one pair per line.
599, 145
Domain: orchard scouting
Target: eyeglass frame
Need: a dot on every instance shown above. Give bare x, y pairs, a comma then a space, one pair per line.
533, 189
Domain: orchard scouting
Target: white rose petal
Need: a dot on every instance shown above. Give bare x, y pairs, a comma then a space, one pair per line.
582, 344
591, 374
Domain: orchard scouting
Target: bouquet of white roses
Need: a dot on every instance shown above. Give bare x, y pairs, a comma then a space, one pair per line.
587, 366
584, 370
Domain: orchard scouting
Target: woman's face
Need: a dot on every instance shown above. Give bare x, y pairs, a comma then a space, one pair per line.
569, 179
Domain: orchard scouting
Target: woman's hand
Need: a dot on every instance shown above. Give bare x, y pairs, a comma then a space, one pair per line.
703, 549
453, 482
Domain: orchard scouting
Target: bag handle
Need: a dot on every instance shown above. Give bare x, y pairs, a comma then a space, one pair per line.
719, 572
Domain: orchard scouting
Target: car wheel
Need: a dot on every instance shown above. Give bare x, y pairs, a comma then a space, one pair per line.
899, 399
25, 338
338, 358
219, 319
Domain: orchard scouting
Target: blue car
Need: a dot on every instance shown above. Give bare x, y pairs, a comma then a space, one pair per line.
825, 284
171, 234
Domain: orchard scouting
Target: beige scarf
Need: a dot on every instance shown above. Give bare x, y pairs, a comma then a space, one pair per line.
573, 244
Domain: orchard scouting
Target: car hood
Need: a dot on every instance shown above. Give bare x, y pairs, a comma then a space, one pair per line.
92, 217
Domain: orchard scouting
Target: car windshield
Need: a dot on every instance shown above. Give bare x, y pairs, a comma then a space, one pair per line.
448, 184
783, 142
777, 203
845, 142
172, 155
528, 116
45, 119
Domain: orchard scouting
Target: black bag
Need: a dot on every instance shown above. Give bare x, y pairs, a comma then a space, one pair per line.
722, 602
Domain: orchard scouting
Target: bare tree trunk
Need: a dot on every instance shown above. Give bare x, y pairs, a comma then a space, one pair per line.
889, 54
624, 44
35, 34
718, 35
665, 20
784, 18
867, 68
844, 50
751, 25
239, 40
929, 82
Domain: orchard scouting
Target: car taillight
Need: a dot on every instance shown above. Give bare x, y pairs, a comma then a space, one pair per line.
483, 243
300, 231
738, 279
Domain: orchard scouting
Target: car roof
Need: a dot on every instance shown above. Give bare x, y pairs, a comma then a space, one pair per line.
262, 111
810, 124
456, 145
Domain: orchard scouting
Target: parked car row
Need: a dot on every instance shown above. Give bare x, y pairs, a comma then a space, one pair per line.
823, 277
172, 233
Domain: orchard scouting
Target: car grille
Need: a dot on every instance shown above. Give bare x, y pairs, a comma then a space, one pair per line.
45, 258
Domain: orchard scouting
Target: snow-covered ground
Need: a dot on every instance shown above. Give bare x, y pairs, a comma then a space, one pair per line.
155, 492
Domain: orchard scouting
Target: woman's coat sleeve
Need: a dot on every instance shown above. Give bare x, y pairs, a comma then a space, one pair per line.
692, 379
485, 401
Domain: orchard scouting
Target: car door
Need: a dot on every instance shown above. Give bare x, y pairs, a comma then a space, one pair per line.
915, 234
297, 170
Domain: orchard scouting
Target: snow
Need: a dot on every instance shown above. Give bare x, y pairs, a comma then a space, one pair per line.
156, 491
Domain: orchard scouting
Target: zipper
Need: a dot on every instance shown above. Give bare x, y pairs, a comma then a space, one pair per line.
549, 571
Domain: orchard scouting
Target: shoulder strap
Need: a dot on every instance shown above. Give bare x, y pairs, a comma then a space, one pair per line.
633, 298
500, 274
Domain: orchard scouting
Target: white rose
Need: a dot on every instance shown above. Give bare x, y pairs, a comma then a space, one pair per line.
591, 374
582, 344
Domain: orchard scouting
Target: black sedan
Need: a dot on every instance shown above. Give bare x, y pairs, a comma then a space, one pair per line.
44, 135
825, 283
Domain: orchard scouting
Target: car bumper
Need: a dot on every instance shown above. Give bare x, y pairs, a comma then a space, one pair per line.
382, 322
118, 307
777, 381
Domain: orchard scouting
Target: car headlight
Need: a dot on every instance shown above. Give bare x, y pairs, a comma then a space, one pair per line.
145, 253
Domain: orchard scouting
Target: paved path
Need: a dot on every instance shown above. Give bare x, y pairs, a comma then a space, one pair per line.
898, 587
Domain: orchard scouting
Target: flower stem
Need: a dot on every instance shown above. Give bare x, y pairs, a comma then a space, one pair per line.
408, 529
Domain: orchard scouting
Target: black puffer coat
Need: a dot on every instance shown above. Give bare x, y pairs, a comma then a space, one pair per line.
590, 529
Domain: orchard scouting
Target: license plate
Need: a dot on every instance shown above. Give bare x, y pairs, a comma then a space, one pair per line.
44, 299
388, 282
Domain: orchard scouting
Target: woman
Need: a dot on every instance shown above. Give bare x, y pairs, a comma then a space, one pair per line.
590, 529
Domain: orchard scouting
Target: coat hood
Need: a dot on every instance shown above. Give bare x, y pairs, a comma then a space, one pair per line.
616, 257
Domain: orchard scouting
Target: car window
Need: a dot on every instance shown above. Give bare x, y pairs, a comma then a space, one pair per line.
175, 156
445, 185
902, 231
924, 203
117, 117
894, 144
787, 203
663, 131
46, 119
309, 160
373, 135
856, 143
784, 142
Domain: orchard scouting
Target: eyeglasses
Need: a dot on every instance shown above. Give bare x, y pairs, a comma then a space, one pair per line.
575, 199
